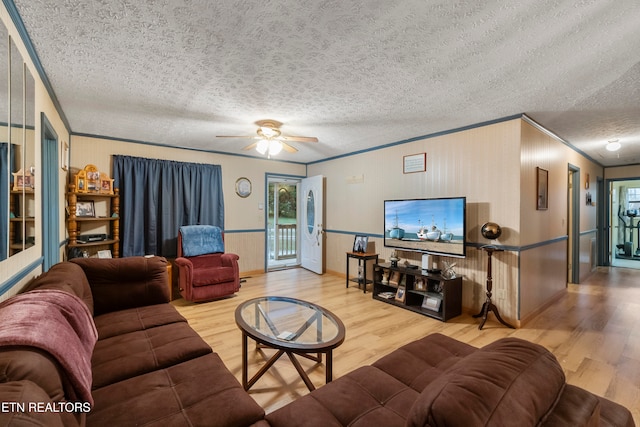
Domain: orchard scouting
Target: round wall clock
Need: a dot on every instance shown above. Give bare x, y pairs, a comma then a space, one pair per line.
243, 187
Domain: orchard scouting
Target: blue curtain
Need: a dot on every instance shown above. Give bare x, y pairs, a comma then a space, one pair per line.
159, 196
6, 166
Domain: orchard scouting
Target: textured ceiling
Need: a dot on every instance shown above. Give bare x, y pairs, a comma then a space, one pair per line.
356, 74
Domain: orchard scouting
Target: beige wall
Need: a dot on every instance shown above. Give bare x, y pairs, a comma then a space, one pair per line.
22, 267
494, 167
480, 163
243, 216
544, 258
622, 172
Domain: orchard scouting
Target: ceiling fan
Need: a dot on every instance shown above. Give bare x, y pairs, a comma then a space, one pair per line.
270, 140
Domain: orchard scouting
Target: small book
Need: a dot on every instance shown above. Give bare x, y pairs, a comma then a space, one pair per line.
387, 295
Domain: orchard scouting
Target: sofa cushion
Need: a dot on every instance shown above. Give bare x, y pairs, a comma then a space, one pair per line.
198, 392
362, 398
125, 356
136, 319
506, 380
65, 276
122, 283
420, 362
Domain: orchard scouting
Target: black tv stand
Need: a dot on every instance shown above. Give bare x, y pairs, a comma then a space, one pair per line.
418, 290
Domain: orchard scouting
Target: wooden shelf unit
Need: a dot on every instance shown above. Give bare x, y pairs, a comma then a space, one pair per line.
76, 224
446, 293
22, 224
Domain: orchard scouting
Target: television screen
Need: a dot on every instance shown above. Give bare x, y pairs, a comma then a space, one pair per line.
435, 226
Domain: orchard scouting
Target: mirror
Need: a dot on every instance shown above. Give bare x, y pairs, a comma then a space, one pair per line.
29, 145
5, 170
16, 121
17, 150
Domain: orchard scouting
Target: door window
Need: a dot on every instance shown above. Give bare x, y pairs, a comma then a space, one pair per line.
311, 211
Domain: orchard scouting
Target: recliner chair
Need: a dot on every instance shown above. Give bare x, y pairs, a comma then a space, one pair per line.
205, 272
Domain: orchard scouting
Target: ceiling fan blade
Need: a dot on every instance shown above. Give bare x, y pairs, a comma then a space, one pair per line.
286, 147
238, 136
298, 138
250, 146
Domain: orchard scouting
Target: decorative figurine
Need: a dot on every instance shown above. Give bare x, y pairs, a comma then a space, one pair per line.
394, 259
448, 272
385, 277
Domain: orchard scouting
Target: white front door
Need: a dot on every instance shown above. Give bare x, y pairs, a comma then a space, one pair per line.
312, 224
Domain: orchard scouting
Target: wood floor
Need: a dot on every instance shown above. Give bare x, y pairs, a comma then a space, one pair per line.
591, 330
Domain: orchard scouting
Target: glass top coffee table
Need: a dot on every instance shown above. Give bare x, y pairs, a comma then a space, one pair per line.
292, 327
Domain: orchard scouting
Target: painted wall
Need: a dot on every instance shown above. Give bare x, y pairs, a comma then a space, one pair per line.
544, 244
244, 218
494, 167
17, 270
622, 172
480, 163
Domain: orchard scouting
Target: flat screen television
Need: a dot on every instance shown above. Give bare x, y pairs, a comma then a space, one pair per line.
434, 226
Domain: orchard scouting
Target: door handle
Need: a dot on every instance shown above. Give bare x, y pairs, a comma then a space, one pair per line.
320, 232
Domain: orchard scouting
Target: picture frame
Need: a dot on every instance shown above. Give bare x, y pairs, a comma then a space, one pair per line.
419, 284
414, 163
360, 243
401, 294
542, 189
22, 180
85, 209
106, 184
243, 187
104, 254
93, 181
394, 279
431, 303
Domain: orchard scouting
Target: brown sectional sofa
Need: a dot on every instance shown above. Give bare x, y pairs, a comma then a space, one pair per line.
148, 367
439, 381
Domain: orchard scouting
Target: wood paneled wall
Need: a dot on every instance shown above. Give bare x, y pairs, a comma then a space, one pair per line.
494, 166
250, 246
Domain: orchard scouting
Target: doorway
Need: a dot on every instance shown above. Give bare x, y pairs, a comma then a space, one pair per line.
624, 226
283, 247
50, 196
573, 225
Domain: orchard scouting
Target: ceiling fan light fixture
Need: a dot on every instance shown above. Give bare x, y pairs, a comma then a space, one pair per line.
262, 146
613, 145
275, 147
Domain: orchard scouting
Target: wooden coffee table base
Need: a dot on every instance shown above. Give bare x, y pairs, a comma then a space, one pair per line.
248, 383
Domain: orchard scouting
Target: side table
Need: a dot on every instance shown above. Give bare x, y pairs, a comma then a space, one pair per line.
362, 258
